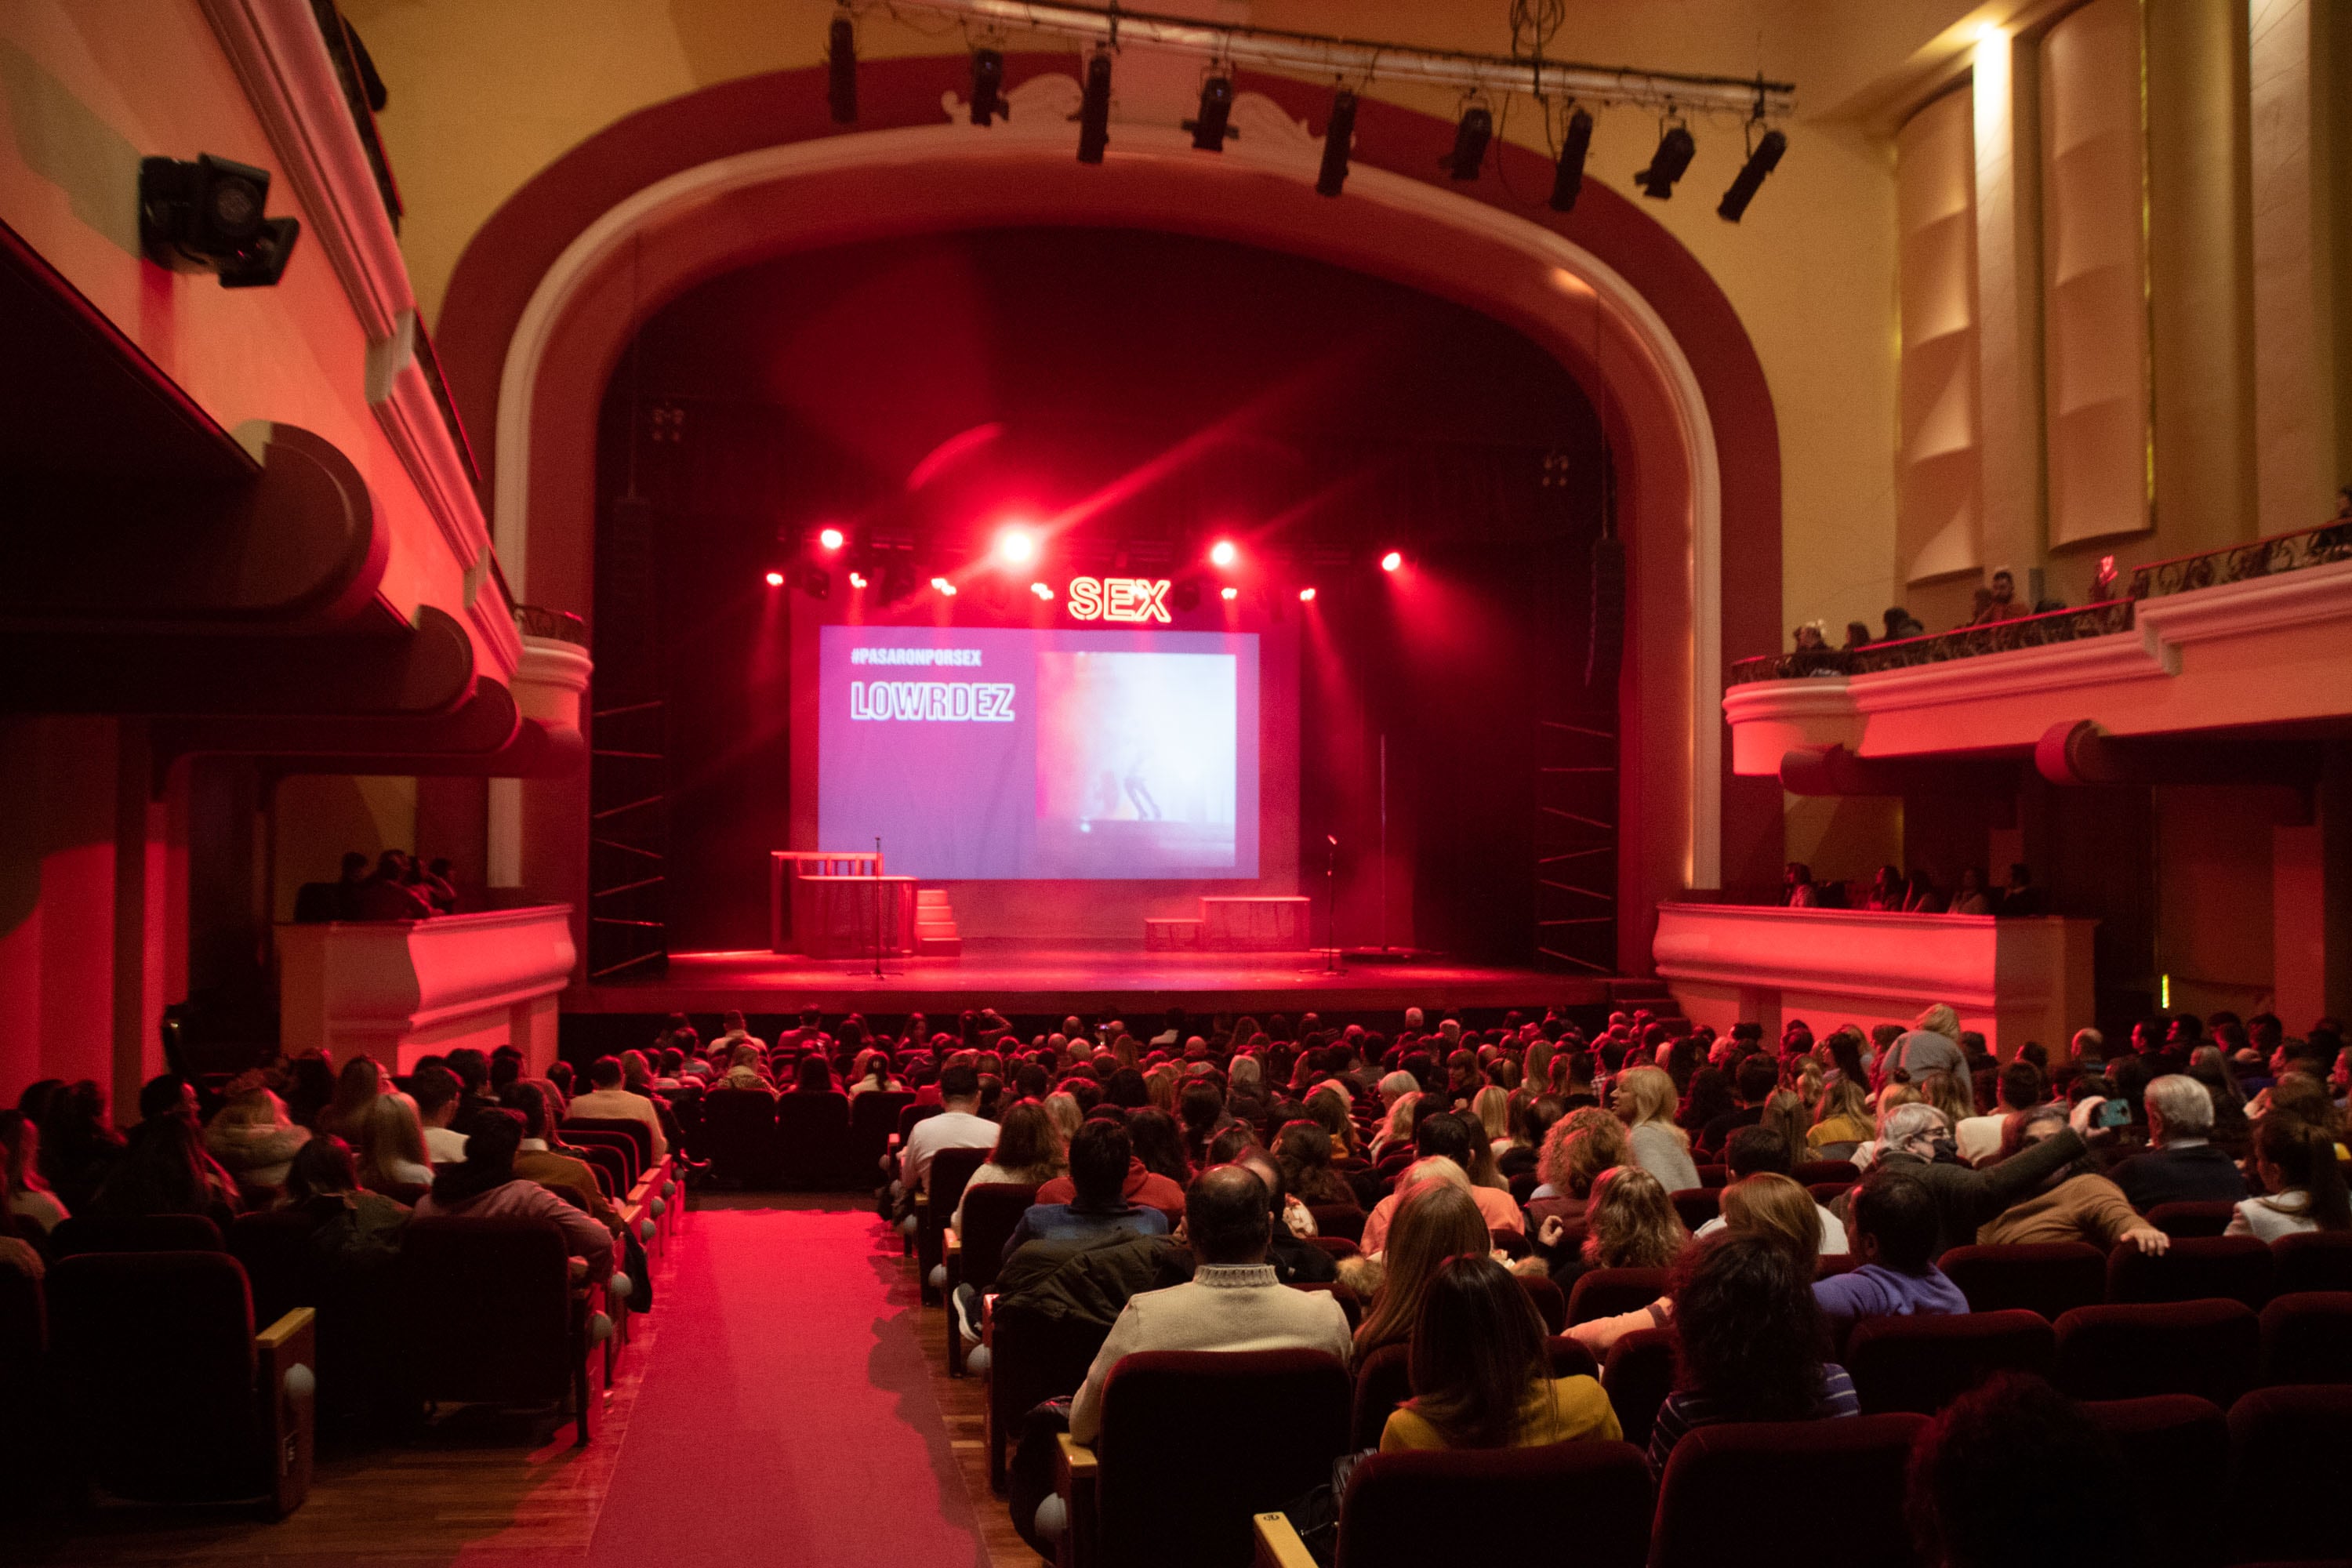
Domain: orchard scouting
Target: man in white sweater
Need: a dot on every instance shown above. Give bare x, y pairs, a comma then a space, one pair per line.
608, 1101
1234, 1302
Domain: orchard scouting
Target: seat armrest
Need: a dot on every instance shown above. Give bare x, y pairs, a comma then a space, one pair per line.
1075, 1474
1278, 1545
286, 1354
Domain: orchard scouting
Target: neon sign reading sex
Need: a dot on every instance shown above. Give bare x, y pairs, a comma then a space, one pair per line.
1119, 599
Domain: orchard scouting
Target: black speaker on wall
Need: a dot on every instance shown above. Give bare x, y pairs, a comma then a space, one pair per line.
1607, 651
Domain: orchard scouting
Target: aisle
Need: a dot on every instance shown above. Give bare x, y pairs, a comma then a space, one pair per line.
787, 1413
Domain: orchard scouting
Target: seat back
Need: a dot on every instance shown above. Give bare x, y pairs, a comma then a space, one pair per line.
2174, 1445
2193, 1269
812, 1137
1639, 1374
1245, 1430
640, 1136
1383, 1383
1606, 1293
280, 1268
2131, 1351
2187, 1217
624, 1165
1033, 1358
1408, 1510
2286, 1461
1805, 1173
156, 1364
1725, 1495
739, 1134
488, 1307
951, 1169
1921, 1364
1697, 1206
910, 1113
1344, 1221
2313, 1260
1711, 1177
872, 1117
1339, 1291
992, 1211
145, 1232
610, 1164
1550, 1302
2306, 1337
2049, 1277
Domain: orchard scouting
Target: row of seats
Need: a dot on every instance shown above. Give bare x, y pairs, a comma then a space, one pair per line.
826, 1140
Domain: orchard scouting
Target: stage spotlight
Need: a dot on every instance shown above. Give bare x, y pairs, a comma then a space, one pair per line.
208, 216
831, 538
1016, 546
1185, 595
1307, 596
1042, 591
941, 587
1338, 133
1760, 162
988, 86
1668, 163
1470, 139
1393, 559
841, 69
1094, 108
775, 579
1213, 125
1568, 177
1222, 552
817, 582
857, 580
1229, 593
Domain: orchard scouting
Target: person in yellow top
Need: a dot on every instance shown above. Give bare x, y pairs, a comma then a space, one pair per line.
1484, 1375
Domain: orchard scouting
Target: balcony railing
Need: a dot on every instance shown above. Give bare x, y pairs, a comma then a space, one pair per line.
537, 621
1968, 642
350, 56
2239, 562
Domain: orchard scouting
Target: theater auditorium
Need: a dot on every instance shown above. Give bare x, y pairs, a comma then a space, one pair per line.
1226, 783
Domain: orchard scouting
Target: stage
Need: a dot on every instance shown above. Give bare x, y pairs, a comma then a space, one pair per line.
1029, 978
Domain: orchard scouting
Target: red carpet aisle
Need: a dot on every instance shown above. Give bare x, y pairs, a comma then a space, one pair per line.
787, 1415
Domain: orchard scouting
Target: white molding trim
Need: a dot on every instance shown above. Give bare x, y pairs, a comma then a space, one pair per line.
291, 82
1803, 697
1293, 160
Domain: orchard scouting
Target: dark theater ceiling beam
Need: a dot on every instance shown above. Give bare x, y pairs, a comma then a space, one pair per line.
478, 729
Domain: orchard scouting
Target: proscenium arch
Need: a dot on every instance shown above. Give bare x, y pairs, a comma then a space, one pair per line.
717, 215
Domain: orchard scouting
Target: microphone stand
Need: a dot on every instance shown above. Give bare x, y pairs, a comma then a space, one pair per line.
1332, 965
878, 908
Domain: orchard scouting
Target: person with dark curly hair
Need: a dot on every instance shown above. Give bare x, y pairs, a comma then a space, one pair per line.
1980, 1492
1747, 1343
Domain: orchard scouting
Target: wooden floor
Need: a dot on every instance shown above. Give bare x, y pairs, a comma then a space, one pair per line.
494, 1492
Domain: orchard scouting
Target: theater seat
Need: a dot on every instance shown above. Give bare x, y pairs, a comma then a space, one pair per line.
1032, 1358
992, 1211
1639, 1374
491, 1314
2049, 1277
146, 1233
2174, 1447
738, 1135
2187, 1218
951, 1170
1697, 1206
1411, 1510
1193, 1443
1922, 1363
1724, 1497
2286, 1464
2133, 1350
1382, 1383
1345, 1221
813, 1138
1550, 1302
872, 1117
1606, 1293
1806, 1173
2193, 1269
2315, 1261
2306, 1337
172, 1395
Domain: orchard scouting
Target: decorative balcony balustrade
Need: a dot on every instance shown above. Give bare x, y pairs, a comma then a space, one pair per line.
563, 626
2239, 562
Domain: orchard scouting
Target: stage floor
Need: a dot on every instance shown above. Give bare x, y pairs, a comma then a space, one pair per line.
1021, 977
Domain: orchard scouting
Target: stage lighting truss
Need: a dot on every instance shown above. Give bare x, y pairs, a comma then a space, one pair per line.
1487, 81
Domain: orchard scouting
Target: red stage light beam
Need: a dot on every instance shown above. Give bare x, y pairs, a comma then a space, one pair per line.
1042, 591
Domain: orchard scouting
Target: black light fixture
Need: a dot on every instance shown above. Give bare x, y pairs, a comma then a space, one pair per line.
988, 86
1337, 135
1676, 149
1185, 597
816, 582
1094, 108
207, 216
1568, 177
1762, 161
841, 69
1214, 123
1470, 139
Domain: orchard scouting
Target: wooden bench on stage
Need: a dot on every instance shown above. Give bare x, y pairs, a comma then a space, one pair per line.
1268, 924
838, 903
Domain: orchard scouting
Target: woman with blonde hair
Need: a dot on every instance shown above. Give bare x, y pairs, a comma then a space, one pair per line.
1067, 1114
1631, 1223
251, 1135
357, 1088
1580, 1146
1644, 1101
1841, 1121
391, 1146
1768, 1203
1492, 1107
1950, 1093
1437, 1220
1396, 1132
1160, 1083
1785, 1113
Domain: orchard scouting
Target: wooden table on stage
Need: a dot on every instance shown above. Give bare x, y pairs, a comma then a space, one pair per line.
838, 903
1271, 924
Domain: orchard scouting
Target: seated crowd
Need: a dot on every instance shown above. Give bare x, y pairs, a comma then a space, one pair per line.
399, 887
1187, 1186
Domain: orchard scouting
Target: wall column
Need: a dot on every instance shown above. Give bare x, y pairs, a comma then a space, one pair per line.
2009, 304
2311, 903
2297, 411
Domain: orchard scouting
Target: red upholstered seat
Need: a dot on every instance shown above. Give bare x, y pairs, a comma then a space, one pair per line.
1245, 1430
872, 1117
1723, 1499
739, 1135
1697, 1206
1349, 1302
2187, 1218
992, 1211
2306, 1337
1339, 1246
1408, 1510
640, 1136
951, 1169
812, 1137
1806, 1173
1550, 1302
1382, 1383
2175, 1447
2315, 1261
1606, 1293
1342, 1220
2049, 1277
1712, 1177
1923, 1363
144, 1233
1032, 1358
2193, 1269
491, 1315
2130, 1350
2286, 1474
1639, 1374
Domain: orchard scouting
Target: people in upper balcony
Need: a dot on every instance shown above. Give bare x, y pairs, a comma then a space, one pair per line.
1971, 898
1797, 890
1901, 623
1888, 890
2020, 896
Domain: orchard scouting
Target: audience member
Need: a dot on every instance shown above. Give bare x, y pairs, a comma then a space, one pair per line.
1895, 1230
252, 1136
1233, 1301
1644, 1100
1916, 1138
1295, 1258
165, 1170
392, 1151
1481, 1374
357, 1088
27, 1195
1028, 1153
1444, 1145
485, 1185
538, 1158
2075, 1203
358, 1228
78, 1147
2181, 1164
1932, 1044
2302, 1183
1437, 1220
1748, 1338
608, 1101
436, 1090
1759, 1152
1841, 1121
1978, 1138
1098, 1207
2013, 1473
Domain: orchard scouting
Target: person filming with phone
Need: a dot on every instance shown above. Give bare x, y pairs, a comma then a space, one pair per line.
1917, 1137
